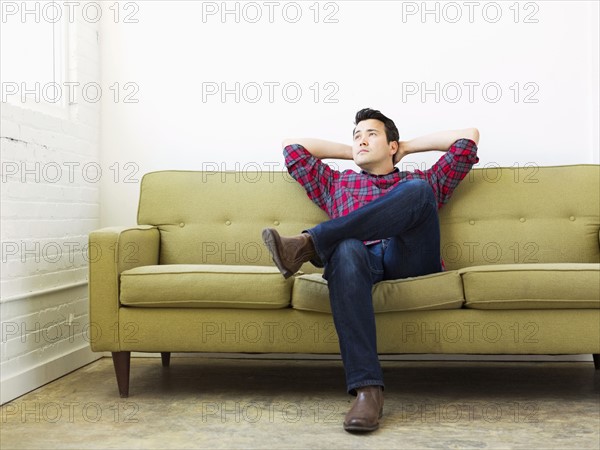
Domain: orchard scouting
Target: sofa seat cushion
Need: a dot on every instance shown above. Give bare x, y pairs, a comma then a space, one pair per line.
205, 286
532, 286
436, 291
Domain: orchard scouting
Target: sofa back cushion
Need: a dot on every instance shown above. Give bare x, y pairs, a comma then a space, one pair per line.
525, 214
496, 215
217, 218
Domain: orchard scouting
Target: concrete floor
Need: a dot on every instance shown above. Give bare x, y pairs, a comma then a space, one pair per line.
203, 402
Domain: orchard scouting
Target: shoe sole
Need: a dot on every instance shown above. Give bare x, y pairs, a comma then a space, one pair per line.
359, 429
271, 242
354, 429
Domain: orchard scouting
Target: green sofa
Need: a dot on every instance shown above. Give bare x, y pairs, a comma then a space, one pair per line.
521, 247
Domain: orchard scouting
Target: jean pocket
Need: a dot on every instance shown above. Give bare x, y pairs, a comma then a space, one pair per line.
376, 259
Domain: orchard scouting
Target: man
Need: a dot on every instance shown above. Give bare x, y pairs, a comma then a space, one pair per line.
384, 226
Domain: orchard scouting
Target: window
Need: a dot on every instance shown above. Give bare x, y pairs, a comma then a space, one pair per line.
33, 55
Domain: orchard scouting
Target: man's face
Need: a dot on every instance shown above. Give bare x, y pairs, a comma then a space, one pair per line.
370, 148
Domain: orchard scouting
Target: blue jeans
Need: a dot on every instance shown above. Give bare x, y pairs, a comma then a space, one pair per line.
406, 220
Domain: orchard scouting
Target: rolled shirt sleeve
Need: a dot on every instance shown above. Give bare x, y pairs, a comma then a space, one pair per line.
317, 178
450, 169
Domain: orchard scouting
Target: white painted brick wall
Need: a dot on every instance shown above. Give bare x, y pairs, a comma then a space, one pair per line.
49, 206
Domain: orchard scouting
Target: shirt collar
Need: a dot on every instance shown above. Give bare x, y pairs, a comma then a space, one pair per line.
391, 174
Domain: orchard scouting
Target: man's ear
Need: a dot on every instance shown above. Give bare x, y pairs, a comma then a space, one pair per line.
395, 151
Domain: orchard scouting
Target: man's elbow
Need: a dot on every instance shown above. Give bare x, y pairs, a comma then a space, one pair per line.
473, 134
287, 142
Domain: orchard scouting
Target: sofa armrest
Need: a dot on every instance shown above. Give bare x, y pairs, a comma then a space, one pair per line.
111, 251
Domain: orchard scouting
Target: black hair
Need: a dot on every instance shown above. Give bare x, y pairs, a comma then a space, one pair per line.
391, 131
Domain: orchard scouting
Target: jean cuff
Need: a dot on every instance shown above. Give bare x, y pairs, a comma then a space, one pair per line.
319, 259
354, 386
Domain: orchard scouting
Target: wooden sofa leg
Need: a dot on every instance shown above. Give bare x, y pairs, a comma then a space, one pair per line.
121, 361
596, 357
166, 358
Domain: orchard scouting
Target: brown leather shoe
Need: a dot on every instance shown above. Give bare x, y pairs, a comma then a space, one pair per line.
366, 410
289, 253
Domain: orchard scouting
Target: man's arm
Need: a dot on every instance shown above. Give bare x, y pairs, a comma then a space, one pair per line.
303, 162
454, 164
441, 141
322, 149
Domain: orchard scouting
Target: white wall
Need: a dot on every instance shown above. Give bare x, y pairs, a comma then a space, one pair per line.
375, 53
49, 204
154, 59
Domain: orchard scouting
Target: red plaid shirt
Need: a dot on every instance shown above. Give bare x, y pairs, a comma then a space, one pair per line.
339, 193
